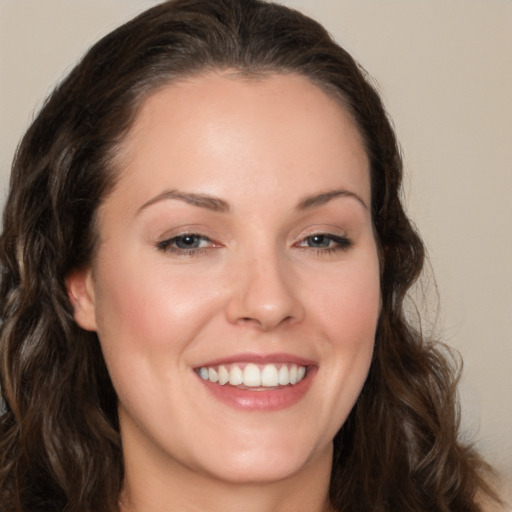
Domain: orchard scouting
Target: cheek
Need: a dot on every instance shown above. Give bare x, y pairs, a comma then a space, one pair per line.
350, 303
149, 307
348, 312
146, 320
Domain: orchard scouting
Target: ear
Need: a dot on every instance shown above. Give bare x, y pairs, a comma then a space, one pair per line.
80, 287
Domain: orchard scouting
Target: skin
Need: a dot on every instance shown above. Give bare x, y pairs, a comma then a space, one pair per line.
259, 283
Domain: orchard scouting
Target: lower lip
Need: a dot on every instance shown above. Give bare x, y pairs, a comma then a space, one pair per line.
271, 400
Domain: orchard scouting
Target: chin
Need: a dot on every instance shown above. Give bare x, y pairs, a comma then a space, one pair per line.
267, 462
263, 470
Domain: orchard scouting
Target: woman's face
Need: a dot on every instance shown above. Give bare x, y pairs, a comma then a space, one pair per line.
236, 246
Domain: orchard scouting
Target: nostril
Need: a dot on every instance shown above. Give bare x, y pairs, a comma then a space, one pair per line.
266, 323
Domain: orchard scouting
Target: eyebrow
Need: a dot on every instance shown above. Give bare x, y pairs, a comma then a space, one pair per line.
325, 197
219, 205
201, 200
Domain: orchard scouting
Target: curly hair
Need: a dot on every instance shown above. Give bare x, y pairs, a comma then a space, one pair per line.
59, 435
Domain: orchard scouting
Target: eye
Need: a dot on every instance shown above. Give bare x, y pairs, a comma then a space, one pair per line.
185, 243
324, 242
318, 241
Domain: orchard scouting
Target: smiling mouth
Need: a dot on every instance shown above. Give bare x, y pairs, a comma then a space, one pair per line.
254, 377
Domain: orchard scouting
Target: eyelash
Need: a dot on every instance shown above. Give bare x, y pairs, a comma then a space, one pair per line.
342, 243
167, 245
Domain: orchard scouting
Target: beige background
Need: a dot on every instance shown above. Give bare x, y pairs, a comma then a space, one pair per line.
444, 68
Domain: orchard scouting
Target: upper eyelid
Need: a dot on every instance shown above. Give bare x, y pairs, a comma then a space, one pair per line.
185, 230
188, 234
326, 234
341, 242
223, 238
167, 242
329, 231
210, 239
331, 236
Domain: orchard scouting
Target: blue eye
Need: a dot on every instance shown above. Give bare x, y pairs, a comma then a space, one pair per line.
187, 243
323, 242
319, 241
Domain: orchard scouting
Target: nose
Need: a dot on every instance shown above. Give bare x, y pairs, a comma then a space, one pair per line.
264, 293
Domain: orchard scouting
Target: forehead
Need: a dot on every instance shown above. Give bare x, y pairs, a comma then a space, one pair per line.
280, 127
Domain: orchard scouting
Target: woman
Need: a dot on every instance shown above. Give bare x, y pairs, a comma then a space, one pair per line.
204, 263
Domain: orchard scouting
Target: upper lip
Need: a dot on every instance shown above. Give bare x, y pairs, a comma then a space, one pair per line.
260, 359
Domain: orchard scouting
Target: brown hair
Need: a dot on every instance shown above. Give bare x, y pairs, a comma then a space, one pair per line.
59, 440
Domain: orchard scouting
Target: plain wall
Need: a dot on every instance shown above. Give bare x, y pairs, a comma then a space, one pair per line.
444, 68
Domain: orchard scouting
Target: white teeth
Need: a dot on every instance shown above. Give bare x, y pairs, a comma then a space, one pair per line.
223, 375
236, 377
293, 374
213, 376
270, 376
284, 375
254, 376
